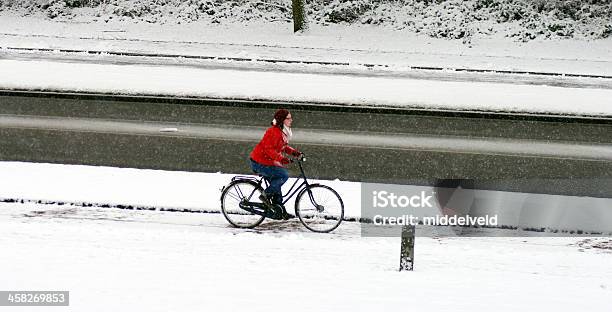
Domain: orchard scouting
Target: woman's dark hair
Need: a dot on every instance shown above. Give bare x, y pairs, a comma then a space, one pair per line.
279, 117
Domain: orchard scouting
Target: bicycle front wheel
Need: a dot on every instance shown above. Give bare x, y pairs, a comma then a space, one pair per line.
319, 208
241, 192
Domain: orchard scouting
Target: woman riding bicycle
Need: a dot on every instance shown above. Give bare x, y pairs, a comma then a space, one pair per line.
267, 159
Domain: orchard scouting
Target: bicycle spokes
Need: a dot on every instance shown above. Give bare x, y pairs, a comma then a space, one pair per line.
322, 210
238, 206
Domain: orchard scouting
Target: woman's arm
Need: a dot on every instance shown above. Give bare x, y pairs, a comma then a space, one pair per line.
291, 151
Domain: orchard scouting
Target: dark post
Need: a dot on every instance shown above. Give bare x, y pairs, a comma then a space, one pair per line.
407, 251
299, 15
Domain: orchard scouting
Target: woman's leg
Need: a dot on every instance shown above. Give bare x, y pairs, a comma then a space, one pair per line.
277, 176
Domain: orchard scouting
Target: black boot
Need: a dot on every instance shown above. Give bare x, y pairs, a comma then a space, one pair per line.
279, 209
278, 202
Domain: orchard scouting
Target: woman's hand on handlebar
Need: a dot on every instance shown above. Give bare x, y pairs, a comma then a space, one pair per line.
299, 157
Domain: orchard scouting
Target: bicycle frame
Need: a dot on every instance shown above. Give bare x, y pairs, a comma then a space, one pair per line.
292, 191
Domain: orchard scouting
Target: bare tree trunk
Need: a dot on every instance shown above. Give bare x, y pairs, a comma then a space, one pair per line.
299, 15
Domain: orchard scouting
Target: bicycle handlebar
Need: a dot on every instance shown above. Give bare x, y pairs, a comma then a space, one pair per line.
301, 158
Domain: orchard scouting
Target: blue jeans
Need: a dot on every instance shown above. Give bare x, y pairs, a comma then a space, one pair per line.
276, 176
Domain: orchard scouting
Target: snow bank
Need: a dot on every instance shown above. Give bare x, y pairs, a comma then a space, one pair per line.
453, 19
299, 87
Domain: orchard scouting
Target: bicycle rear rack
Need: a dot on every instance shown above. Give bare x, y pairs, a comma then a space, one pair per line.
245, 177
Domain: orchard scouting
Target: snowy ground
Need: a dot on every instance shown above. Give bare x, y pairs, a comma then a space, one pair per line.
335, 43
121, 260
125, 260
315, 88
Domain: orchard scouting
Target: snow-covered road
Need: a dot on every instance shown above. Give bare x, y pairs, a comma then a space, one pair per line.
124, 260
298, 87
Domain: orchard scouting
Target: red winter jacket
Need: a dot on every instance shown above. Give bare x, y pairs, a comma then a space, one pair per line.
268, 151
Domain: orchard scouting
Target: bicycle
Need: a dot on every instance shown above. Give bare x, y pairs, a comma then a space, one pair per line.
318, 207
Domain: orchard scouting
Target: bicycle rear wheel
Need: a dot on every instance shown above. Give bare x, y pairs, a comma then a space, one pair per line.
235, 193
319, 208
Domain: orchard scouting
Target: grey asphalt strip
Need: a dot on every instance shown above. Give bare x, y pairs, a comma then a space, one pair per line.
456, 144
